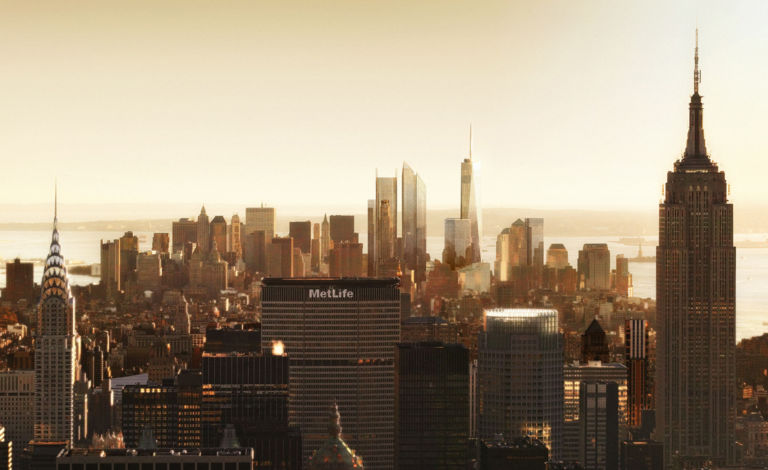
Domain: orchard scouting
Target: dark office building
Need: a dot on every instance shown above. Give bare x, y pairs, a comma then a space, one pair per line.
183, 231
431, 406
301, 232
599, 421
19, 281
171, 410
696, 305
343, 228
243, 339
594, 345
250, 393
523, 453
642, 455
639, 385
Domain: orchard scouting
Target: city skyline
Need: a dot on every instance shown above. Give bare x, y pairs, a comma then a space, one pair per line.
631, 90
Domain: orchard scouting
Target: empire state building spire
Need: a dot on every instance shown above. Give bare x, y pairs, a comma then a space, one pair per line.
696, 149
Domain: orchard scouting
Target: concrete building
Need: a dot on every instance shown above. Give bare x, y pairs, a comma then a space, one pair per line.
17, 404
339, 336
19, 282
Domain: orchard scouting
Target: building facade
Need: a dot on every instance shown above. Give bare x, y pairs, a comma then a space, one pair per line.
340, 336
696, 305
56, 345
520, 376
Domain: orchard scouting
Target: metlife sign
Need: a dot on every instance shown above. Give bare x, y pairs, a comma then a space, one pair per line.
331, 293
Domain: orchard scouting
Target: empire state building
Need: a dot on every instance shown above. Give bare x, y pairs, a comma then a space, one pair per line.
56, 345
696, 303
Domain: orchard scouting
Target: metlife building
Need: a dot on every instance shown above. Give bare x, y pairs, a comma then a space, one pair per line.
340, 336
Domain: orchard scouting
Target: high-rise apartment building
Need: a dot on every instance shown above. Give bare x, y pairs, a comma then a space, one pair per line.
696, 305
432, 406
161, 242
594, 267
346, 260
371, 247
520, 376
469, 202
339, 335
203, 231
218, 234
129, 254
110, 267
17, 400
574, 376
386, 213
56, 344
342, 228
235, 236
260, 218
599, 419
557, 256
301, 232
182, 231
639, 384
280, 257
19, 281
414, 223
535, 241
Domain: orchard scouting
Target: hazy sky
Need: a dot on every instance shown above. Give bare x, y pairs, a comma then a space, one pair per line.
574, 104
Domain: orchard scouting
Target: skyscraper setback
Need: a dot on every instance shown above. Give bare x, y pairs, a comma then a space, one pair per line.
56, 346
696, 304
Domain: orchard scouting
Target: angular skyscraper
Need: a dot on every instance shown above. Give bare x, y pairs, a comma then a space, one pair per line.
469, 209
414, 223
56, 345
386, 191
696, 304
203, 231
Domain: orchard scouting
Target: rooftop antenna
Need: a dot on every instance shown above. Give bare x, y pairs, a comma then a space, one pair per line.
470, 141
696, 71
55, 202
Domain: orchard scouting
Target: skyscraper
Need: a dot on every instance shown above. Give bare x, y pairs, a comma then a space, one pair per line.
371, 238
469, 209
458, 242
594, 265
535, 241
414, 223
385, 238
696, 304
432, 407
56, 345
184, 230
341, 228
218, 234
203, 231
339, 335
235, 236
260, 218
326, 237
638, 380
19, 281
301, 232
520, 376
599, 417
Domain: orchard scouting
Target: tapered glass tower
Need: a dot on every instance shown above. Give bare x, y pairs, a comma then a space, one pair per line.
469, 209
696, 302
